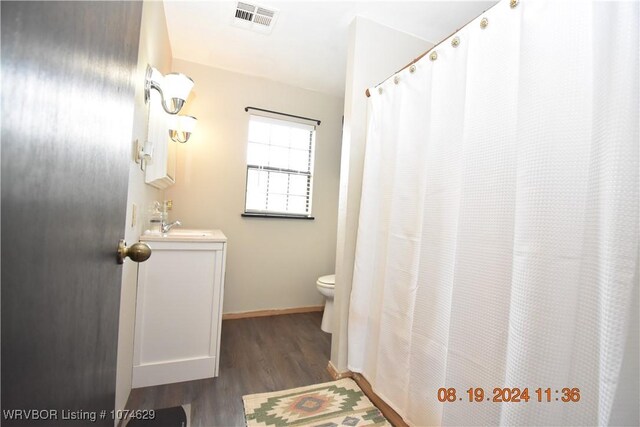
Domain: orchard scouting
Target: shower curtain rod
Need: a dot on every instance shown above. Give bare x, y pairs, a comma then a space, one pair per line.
513, 4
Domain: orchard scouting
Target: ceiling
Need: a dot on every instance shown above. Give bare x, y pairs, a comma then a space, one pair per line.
308, 44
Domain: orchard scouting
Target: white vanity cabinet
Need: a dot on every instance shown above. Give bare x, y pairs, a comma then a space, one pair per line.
179, 307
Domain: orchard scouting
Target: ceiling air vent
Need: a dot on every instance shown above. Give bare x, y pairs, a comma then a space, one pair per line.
245, 11
254, 17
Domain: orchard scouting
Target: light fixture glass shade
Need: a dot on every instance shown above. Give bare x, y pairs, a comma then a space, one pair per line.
180, 128
187, 123
176, 86
174, 89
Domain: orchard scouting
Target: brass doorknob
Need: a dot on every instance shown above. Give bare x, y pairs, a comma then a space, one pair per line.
138, 252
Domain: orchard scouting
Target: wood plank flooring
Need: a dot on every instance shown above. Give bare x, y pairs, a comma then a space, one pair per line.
257, 355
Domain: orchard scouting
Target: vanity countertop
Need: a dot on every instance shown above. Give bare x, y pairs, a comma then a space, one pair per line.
185, 235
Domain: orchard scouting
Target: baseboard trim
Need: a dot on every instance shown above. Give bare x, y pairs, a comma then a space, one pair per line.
389, 413
272, 312
338, 375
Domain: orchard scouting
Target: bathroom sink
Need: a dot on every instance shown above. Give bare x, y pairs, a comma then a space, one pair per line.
185, 234
189, 233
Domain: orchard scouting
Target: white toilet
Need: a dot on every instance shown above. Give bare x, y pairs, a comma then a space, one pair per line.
326, 286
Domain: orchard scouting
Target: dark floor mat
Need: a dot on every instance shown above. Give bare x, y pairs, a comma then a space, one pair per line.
167, 417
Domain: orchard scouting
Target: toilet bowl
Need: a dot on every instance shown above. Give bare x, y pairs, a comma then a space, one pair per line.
326, 286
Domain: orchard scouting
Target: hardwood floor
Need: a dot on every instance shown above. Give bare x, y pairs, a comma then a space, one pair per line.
257, 355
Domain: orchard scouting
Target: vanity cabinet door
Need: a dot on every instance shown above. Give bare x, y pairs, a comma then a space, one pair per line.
178, 315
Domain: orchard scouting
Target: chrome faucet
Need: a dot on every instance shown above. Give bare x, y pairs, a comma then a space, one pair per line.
166, 227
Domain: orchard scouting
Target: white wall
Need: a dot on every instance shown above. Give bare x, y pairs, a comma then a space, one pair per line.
375, 53
155, 50
271, 263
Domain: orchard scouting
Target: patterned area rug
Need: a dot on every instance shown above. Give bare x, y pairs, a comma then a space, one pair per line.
334, 404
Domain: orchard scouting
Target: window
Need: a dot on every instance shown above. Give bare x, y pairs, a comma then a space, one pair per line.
279, 167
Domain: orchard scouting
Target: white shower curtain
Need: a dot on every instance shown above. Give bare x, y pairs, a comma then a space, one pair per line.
498, 234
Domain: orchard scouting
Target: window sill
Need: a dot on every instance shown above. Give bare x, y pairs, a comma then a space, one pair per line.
281, 216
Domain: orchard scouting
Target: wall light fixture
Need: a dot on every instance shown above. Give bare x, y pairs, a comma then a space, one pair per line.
180, 128
174, 89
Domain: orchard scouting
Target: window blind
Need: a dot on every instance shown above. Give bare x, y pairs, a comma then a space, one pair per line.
280, 156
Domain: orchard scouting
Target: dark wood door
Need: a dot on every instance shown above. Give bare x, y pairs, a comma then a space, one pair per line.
67, 116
